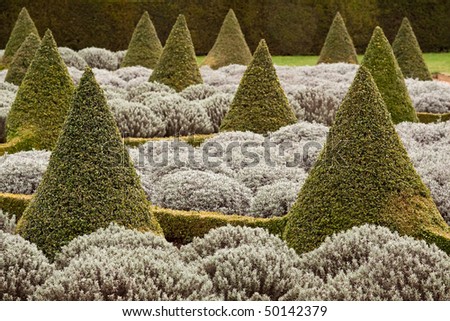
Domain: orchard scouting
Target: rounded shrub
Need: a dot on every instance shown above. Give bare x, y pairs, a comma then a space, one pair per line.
99, 58
90, 180
71, 58
42, 101
7, 223
338, 46
21, 173
23, 27
24, 268
177, 67
350, 185
379, 59
372, 263
22, 59
202, 191
260, 104
114, 236
408, 53
115, 274
275, 199
144, 48
230, 47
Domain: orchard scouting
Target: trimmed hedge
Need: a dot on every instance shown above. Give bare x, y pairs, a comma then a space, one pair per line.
22, 59
260, 104
42, 101
230, 46
177, 67
145, 48
379, 59
338, 46
178, 226
432, 118
90, 179
289, 27
22, 29
363, 176
408, 53
193, 140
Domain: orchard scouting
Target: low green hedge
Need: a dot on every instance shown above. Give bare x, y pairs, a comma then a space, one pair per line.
427, 118
194, 140
179, 227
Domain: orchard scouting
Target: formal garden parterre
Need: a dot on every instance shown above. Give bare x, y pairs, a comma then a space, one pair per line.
138, 175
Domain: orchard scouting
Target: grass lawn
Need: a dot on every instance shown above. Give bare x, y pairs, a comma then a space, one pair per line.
437, 62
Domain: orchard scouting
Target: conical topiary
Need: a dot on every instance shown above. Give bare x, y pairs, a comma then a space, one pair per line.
42, 101
144, 48
90, 180
363, 175
22, 59
230, 46
177, 67
338, 46
381, 63
409, 56
260, 104
23, 27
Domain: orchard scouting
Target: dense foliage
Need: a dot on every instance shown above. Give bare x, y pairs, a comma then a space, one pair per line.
144, 48
177, 66
379, 59
363, 175
22, 59
42, 101
338, 46
90, 180
290, 27
230, 46
408, 53
260, 104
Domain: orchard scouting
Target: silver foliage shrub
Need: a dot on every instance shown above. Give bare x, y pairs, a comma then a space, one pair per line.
136, 91
136, 120
181, 116
196, 190
133, 72
275, 199
113, 236
216, 107
72, 58
228, 237
7, 223
22, 172
314, 105
120, 55
24, 268
141, 274
429, 96
247, 264
99, 58
255, 177
372, 263
198, 92
428, 146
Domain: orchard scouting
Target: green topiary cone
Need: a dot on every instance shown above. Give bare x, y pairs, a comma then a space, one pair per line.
363, 175
144, 48
90, 180
177, 67
260, 104
23, 27
230, 46
409, 56
42, 101
381, 63
22, 59
338, 46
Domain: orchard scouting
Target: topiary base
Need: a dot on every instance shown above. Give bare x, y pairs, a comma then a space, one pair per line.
179, 227
427, 118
